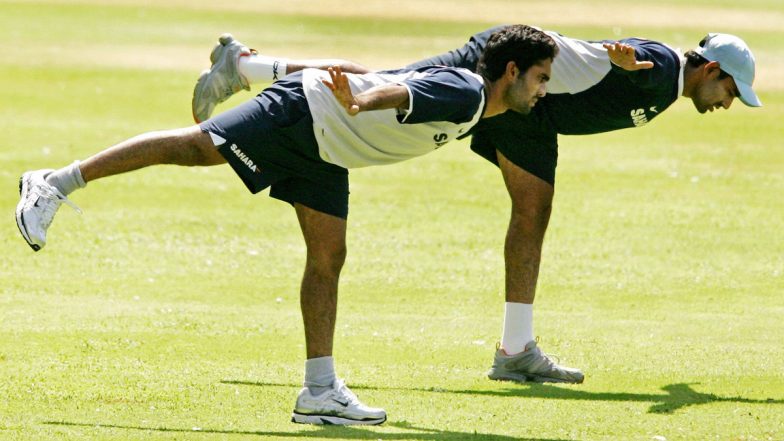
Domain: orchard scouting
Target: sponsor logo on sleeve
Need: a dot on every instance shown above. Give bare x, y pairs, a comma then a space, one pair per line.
639, 118
440, 139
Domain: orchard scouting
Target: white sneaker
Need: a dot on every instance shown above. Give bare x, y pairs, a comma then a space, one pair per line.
337, 406
37, 206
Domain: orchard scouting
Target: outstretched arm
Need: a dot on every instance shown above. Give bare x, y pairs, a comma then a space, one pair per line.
388, 96
622, 55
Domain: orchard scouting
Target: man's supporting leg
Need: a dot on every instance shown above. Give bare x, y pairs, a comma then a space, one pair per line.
41, 196
319, 402
531, 207
325, 239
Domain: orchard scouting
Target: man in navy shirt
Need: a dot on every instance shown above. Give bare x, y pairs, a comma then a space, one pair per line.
298, 137
596, 86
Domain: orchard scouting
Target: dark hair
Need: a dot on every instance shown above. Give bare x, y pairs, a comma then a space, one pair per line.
522, 44
693, 59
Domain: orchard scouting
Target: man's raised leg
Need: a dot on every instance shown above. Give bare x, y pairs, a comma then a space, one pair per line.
187, 147
324, 399
43, 191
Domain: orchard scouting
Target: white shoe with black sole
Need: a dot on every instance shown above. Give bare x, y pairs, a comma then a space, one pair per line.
38, 203
337, 406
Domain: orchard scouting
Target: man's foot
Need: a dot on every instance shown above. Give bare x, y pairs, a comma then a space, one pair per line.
337, 406
531, 365
37, 206
221, 80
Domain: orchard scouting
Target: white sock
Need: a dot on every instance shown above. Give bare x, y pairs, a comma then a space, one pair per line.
67, 179
518, 327
319, 374
262, 69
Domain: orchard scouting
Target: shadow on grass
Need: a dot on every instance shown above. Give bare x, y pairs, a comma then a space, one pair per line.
324, 432
676, 396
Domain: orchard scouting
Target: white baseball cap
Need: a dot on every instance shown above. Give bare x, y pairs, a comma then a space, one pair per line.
736, 59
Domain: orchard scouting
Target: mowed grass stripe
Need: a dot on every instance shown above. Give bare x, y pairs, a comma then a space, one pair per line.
751, 15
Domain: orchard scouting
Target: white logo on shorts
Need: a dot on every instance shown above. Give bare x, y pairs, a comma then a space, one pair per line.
244, 158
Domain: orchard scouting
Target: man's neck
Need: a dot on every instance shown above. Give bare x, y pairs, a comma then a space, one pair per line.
495, 99
689, 80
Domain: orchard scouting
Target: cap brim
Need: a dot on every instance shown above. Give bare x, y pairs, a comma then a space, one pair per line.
747, 95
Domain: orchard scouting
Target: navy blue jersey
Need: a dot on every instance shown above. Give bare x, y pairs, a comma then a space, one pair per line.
586, 94
619, 98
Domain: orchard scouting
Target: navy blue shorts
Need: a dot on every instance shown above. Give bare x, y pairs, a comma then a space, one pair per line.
270, 143
528, 141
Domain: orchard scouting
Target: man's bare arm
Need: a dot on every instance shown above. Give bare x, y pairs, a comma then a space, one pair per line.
622, 55
388, 96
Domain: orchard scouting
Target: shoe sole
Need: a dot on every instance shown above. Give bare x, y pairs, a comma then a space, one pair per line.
216, 62
215, 56
331, 420
197, 92
520, 378
23, 188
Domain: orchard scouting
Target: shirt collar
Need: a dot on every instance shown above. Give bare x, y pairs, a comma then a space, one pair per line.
682, 59
680, 75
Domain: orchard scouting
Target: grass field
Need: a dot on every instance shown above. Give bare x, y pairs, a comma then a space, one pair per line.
169, 310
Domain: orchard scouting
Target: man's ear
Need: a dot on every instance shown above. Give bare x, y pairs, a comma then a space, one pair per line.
512, 71
711, 68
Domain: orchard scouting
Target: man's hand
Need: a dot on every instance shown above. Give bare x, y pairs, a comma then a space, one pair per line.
342, 91
622, 55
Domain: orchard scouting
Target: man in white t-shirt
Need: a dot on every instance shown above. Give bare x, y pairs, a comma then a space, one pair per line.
299, 137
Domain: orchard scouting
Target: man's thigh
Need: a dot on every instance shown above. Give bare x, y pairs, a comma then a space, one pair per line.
527, 141
269, 142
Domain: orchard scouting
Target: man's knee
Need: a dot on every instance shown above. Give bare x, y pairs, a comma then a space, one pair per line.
325, 239
533, 217
326, 259
203, 150
193, 148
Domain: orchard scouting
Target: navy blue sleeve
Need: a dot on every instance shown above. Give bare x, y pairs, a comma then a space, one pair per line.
445, 94
666, 65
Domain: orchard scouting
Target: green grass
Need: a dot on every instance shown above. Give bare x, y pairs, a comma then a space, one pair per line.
169, 310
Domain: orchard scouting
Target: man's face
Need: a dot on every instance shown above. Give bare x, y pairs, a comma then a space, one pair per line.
528, 87
712, 92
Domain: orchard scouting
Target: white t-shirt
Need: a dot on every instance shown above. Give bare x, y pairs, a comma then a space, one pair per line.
445, 103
